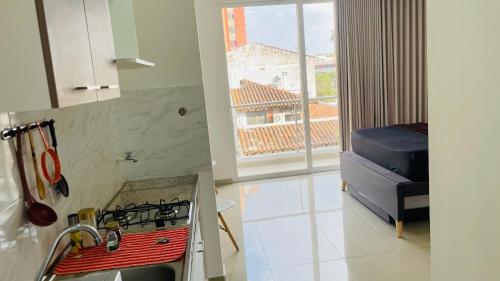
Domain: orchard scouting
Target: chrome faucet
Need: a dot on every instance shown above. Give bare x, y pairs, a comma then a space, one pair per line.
53, 247
129, 156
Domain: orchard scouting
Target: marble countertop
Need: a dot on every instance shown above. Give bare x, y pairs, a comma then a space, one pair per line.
152, 191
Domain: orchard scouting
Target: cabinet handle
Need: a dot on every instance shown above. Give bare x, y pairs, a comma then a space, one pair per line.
109, 87
201, 246
87, 88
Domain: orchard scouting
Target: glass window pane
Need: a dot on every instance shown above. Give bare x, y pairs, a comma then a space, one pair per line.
322, 78
320, 49
265, 88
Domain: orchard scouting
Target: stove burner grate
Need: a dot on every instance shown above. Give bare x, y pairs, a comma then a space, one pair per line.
147, 213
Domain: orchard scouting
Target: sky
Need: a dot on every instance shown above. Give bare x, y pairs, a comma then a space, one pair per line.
277, 26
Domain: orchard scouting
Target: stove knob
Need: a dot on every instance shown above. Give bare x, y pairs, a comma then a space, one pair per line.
160, 223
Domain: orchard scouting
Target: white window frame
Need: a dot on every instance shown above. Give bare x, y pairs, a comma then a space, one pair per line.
303, 78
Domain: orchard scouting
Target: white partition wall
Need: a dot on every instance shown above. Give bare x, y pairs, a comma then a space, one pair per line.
464, 116
211, 41
210, 225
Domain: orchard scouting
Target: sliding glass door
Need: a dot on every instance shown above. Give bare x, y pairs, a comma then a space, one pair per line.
320, 41
278, 61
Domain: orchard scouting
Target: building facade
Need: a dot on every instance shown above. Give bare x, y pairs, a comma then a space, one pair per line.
270, 66
233, 22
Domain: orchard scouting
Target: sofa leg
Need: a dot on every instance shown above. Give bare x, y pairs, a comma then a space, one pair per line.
399, 228
344, 185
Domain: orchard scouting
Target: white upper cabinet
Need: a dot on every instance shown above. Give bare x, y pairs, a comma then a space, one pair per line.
68, 57
103, 51
58, 53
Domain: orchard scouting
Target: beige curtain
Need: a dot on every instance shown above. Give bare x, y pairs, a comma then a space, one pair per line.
381, 62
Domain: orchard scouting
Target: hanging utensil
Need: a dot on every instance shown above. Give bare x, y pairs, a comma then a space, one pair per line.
39, 183
62, 184
55, 159
38, 213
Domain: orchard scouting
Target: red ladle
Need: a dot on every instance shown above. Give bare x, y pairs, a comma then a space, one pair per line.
38, 213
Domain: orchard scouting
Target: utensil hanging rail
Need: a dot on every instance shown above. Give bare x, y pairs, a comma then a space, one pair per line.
9, 133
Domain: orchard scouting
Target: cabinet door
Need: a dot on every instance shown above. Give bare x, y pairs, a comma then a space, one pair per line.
67, 52
197, 267
198, 270
103, 51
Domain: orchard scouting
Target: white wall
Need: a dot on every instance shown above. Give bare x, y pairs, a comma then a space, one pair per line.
213, 58
464, 118
148, 122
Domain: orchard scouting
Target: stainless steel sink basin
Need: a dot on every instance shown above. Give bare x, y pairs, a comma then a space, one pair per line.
150, 273
161, 272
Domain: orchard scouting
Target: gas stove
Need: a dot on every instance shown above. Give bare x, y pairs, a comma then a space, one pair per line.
162, 215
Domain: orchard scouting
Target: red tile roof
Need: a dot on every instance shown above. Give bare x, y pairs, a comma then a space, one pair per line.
248, 97
322, 110
250, 94
280, 138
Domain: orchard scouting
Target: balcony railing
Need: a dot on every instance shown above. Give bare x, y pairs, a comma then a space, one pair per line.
276, 135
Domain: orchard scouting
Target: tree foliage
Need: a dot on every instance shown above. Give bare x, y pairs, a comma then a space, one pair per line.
325, 85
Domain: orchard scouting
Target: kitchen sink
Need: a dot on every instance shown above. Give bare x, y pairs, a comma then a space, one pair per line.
150, 273
161, 272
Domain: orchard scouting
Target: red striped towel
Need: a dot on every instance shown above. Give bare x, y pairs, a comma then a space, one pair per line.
136, 249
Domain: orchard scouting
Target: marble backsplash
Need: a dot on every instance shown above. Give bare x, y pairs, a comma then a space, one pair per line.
90, 139
154, 190
87, 149
164, 143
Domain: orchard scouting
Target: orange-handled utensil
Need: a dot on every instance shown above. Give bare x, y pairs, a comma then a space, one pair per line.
55, 159
62, 185
39, 183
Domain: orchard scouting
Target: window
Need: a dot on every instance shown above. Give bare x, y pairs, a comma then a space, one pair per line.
271, 73
292, 117
256, 118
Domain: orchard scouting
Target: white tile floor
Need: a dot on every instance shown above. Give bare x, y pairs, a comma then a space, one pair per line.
304, 228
